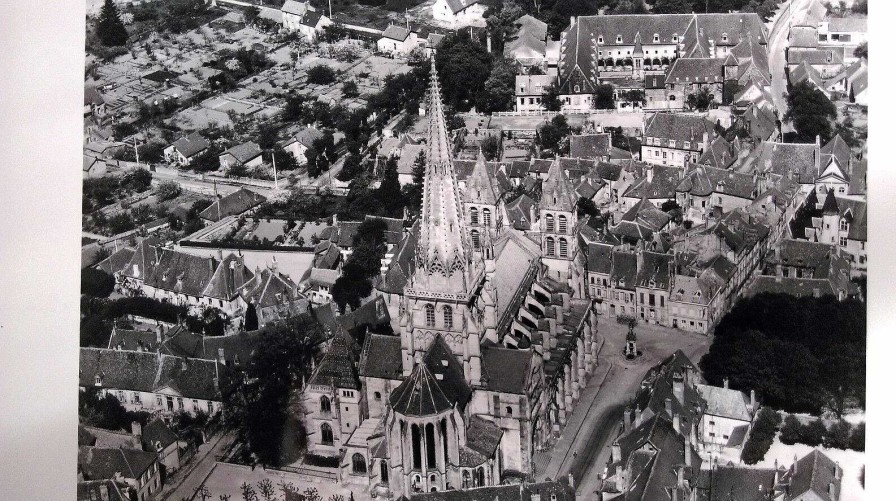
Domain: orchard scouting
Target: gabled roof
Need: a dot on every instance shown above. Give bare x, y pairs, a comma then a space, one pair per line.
481, 185
590, 146
849, 24
294, 7
678, 127
655, 272
519, 212
403, 264
157, 435
269, 288
803, 36
231, 205
149, 372
725, 402
735, 482
98, 463
92, 96
459, 5
191, 145
395, 32
814, 472
244, 152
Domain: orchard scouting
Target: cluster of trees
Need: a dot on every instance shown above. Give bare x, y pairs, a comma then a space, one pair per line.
100, 192
109, 27
267, 491
368, 248
761, 436
258, 398
238, 64
553, 136
98, 314
811, 112
106, 411
96, 283
799, 354
172, 16
470, 76
840, 435
701, 100
321, 74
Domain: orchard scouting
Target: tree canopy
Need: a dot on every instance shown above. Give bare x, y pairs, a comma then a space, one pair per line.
603, 97
463, 66
799, 354
811, 112
109, 28
257, 396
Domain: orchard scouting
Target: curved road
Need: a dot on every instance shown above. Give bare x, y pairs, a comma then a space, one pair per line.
777, 51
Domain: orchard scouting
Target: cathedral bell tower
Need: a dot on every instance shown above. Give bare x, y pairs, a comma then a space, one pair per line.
440, 298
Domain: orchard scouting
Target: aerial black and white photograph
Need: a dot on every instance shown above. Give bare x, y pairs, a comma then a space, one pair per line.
472, 250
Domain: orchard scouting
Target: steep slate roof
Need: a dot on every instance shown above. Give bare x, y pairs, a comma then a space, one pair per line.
422, 394
557, 192
483, 436
695, 70
381, 357
814, 472
403, 264
719, 153
600, 258
742, 483
337, 367
656, 268
231, 205
263, 289
481, 185
819, 56
725, 402
624, 269
678, 127
294, 7
662, 186
703, 181
837, 148
92, 96
589, 146
516, 255
803, 36
781, 158
157, 433
99, 463
149, 372
91, 490
117, 261
853, 24
518, 212
506, 370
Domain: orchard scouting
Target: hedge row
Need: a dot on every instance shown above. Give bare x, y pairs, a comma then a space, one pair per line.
762, 436
841, 435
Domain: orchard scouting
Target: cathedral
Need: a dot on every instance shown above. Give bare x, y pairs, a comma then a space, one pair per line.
494, 342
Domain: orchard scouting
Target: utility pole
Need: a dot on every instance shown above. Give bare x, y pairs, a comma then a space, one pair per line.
274, 160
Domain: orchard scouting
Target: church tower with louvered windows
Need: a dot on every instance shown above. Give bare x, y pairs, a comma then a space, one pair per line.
482, 213
558, 225
441, 298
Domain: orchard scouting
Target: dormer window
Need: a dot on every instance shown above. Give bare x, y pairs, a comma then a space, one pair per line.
675, 38
687, 145
618, 38
600, 39
844, 225
671, 143
98, 380
576, 88
724, 37
697, 294
656, 38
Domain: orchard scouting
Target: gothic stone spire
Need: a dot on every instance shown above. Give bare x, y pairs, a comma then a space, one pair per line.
441, 247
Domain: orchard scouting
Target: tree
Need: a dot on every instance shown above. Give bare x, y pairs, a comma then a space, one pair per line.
811, 112
550, 99
256, 397
603, 98
389, 191
700, 100
463, 66
96, 283
109, 28
674, 210
635, 96
168, 189
672, 7
791, 432
762, 436
266, 488
251, 318
351, 287
814, 433
321, 74
857, 438
860, 7
351, 167
500, 23
862, 51
491, 148
498, 93
838, 436
248, 492
586, 207
413, 192
250, 15
350, 89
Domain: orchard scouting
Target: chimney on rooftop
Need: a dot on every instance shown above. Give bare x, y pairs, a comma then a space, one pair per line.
725, 383
753, 400
136, 429
669, 406
160, 331
627, 420
678, 387
637, 416
687, 454
183, 364
676, 421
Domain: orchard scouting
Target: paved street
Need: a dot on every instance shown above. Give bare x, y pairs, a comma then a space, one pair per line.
596, 418
777, 48
183, 484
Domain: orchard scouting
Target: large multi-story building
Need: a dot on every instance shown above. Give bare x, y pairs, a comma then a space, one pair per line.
491, 353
